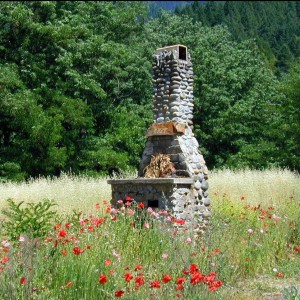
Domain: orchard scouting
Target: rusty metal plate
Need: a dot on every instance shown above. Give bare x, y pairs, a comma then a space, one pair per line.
167, 128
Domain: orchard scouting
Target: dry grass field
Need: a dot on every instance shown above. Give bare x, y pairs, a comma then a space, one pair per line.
71, 192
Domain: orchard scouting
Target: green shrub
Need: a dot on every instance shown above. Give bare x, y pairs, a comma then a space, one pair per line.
34, 220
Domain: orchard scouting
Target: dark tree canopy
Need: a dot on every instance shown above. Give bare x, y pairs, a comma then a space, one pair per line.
76, 90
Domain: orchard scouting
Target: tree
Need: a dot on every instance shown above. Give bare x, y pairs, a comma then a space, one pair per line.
235, 92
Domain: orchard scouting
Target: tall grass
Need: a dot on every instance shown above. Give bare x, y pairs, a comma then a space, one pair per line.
68, 191
269, 187
253, 243
81, 192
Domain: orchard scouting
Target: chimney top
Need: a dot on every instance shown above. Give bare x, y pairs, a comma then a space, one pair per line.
179, 51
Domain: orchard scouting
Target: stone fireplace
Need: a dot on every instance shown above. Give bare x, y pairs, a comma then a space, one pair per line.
184, 189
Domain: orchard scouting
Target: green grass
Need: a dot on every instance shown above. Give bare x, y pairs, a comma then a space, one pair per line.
252, 244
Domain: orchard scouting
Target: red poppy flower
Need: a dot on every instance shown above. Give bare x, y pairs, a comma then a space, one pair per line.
128, 198
23, 280
166, 278
193, 268
141, 205
180, 280
197, 278
139, 281
155, 284
279, 274
69, 283
97, 206
68, 225
128, 277
102, 279
62, 233
107, 262
138, 267
119, 293
64, 252
77, 251
179, 287
4, 260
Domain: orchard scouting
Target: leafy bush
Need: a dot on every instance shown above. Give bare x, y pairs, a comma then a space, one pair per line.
34, 220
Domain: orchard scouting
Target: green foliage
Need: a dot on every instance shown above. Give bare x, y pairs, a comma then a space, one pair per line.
11, 171
291, 293
75, 83
274, 25
236, 101
34, 220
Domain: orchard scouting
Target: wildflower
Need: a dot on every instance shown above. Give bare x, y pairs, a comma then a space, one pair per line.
139, 281
4, 260
166, 278
69, 283
197, 278
250, 230
117, 255
147, 225
97, 206
155, 284
180, 221
77, 251
141, 205
193, 268
216, 251
180, 280
128, 198
23, 280
188, 240
5, 244
297, 248
211, 277
215, 285
138, 267
97, 222
102, 279
128, 277
68, 225
21, 239
130, 212
179, 287
279, 274
62, 233
64, 252
165, 255
107, 262
119, 293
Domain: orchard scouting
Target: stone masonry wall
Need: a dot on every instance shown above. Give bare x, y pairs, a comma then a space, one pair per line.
185, 193
173, 98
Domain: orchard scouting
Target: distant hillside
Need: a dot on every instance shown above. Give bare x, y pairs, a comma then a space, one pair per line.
169, 5
156, 6
274, 25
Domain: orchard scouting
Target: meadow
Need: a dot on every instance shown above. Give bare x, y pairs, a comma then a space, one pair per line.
93, 251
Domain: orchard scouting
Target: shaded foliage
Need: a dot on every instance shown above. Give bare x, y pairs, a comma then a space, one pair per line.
75, 89
273, 24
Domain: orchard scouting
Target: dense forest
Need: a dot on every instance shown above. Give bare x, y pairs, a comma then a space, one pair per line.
273, 24
76, 89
